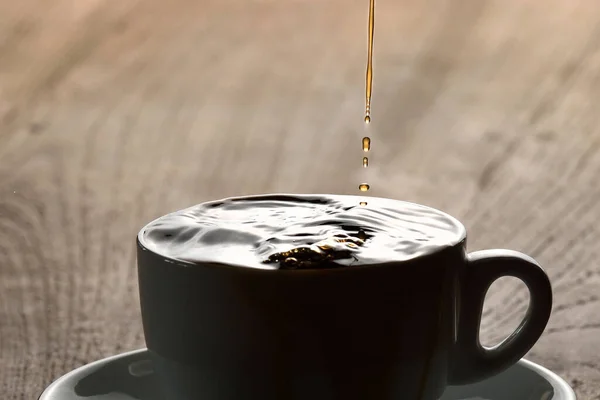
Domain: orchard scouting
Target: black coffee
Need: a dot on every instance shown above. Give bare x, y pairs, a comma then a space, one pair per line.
301, 232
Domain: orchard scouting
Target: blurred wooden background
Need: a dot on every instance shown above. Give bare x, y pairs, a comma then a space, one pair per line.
115, 112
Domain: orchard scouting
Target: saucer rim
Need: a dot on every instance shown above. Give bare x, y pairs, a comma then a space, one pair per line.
560, 386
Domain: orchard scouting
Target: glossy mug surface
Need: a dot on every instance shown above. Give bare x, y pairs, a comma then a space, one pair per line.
314, 297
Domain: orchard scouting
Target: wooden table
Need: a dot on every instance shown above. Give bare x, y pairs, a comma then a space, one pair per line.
114, 113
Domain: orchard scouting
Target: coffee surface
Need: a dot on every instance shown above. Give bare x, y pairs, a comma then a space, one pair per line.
301, 232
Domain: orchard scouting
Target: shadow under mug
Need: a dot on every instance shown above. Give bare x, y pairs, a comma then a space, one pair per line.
400, 330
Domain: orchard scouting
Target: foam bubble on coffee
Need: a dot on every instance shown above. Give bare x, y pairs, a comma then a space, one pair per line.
301, 232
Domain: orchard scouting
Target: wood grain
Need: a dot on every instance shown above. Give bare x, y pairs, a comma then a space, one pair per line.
113, 113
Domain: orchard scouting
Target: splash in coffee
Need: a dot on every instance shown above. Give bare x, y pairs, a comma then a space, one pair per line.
301, 232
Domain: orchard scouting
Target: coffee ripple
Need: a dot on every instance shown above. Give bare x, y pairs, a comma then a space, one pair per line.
264, 231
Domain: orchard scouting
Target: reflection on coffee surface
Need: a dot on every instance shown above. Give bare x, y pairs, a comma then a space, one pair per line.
301, 232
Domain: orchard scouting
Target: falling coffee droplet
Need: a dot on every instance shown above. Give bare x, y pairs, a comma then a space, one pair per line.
366, 144
367, 118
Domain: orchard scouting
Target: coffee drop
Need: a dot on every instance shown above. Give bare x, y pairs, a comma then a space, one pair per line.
365, 162
367, 119
363, 187
366, 144
290, 263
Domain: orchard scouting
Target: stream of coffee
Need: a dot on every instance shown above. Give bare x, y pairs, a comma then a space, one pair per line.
366, 141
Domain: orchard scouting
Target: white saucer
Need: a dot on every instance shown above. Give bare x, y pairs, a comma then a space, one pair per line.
130, 376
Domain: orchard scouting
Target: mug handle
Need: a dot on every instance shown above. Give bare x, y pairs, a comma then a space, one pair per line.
472, 361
